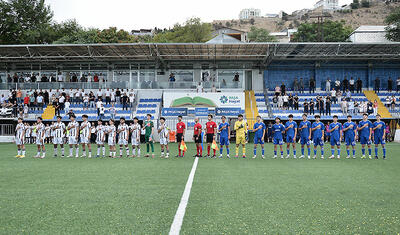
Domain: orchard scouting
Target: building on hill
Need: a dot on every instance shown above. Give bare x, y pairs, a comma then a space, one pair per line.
369, 34
284, 36
235, 33
329, 5
142, 32
249, 13
271, 15
223, 39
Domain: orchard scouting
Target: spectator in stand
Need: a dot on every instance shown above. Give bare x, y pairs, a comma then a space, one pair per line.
394, 102
86, 102
71, 114
377, 84
352, 83
337, 84
370, 108
305, 106
343, 106
74, 78
199, 88
291, 101
56, 106
398, 84
375, 106
78, 96
102, 111
92, 99
283, 89
311, 106
351, 107
388, 102
118, 96
285, 101
96, 78
339, 96
359, 85
277, 91
312, 85
213, 89
390, 84
66, 106
26, 99
83, 78
328, 106
100, 95
60, 77
301, 85
40, 100
333, 95
112, 96
280, 102
125, 101
345, 84
295, 85
98, 105
275, 102
328, 85
131, 100
321, 106
113, 111
171, 77
19, 96
108, 96
236, 77
296, 102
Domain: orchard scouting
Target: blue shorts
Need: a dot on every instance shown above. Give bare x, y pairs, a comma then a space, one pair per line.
304, 140
223, 140
350, 141
379, 141
289, 139
318, 141
364, 140
278, 141
335, 141
258, 140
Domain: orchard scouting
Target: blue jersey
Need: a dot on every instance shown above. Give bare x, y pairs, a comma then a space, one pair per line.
291, 130
317, 133
260, 131
365, 132
378, 132
305, 132
278, 129
224, 132
335, 133
349, 134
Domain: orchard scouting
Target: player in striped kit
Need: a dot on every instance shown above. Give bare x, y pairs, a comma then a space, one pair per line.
123, 131
163, 130
72, 132
135, 129
85, 136
112, 134
20, 138
40, 131
100, 138
58, 130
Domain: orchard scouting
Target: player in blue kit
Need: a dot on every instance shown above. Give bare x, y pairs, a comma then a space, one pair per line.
277, 130
305, 135
259, 133
291, 132
224, 136
318, 136
335, 129
350, 133
379, 135
365, 129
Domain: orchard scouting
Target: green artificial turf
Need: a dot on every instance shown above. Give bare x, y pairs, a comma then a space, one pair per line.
229, 196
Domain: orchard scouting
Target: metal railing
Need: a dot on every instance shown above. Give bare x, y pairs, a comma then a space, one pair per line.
6, 130
120, 84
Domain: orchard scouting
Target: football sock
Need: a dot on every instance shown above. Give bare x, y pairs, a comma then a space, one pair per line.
148, 148
120, 151
322, 151
288, 151
138, 152
127, 151
281, 153
104, 151
98, 151
227, 150
179, 154
208, 150
309, 151
71, 151
262, 151
133, 151
333, 151
244, 151
274, 152
220, 150
255, 151
383, 149
363, 151
62, 151
376, 151
214, 150
19, 152
315, 152
302, 151
369, 151
354, 152
237, 151
338, 152
348, 152
23, 152
294, 152
77, 150
152, 146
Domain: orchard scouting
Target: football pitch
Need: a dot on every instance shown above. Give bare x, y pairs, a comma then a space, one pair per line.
228, 196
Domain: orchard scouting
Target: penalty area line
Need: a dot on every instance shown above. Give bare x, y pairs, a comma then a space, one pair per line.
180, 212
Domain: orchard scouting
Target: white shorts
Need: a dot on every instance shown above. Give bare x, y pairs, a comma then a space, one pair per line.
72, 140
99, 142
58, 140
19, 141
122, 142
39, 141
111, 141
163, 141
135, 142
84, 140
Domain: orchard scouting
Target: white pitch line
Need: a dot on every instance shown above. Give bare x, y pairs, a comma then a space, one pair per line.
180, 213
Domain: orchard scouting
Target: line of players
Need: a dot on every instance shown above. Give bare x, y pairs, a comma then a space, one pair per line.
309, 133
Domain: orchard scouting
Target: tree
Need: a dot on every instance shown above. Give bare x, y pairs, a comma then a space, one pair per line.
355, 4
332, 31
365, 3
193, 30
393, 28
25, 22
260, 35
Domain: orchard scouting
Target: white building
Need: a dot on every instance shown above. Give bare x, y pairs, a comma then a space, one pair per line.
142, 32
369, 34
327, 4
284, 36
249, 13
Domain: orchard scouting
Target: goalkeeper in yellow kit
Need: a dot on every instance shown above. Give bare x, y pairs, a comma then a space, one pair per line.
241, 131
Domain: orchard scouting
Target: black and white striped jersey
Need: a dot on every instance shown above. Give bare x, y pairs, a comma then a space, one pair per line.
59, 130
123, 131
86, 126
73, 131
100, 132
19, 131
111, 131
40, 129
136, 130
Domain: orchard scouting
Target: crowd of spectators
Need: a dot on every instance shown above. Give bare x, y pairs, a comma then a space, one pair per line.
61, 99
52, 77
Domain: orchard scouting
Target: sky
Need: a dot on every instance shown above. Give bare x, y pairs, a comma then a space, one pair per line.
147, 14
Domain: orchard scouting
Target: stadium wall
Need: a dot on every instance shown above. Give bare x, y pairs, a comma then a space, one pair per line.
278, 72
